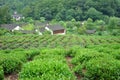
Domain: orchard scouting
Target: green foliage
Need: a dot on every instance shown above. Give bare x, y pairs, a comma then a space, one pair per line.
84, 55
28, 27
94, 14
78, 69
112, 49
31, 53
46, 33
102, 69
44, 69
12, 63
42, 19
65, 10
49, 41
1, 73
113, 21
3, 31
4, 15
71, 52
91, 57
81, 30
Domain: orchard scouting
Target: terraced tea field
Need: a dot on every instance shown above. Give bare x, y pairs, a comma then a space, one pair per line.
69, 57
48, 41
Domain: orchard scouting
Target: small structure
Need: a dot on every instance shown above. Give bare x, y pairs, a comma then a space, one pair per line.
55, 29
11, 27
17, 17
40, 28
40, 31
90, 31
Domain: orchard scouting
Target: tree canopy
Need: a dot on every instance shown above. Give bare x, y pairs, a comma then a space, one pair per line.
64, 9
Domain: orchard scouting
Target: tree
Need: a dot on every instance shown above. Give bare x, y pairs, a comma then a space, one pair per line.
94, 14
4, 15
42, 19
113, 22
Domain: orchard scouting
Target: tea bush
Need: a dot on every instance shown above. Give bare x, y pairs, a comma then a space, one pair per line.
112, 49
1, 73
72, 51
50, 56
12, 62
102, 69
55, 51
31, 53
85, 55
46, 70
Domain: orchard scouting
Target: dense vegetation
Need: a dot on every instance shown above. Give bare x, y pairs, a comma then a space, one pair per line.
49, 41
76, 56
33, 57
99, 15
65, 10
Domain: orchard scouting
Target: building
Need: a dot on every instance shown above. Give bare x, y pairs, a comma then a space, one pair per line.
90, 31
40, 28
17, 16
11, 27
56, 29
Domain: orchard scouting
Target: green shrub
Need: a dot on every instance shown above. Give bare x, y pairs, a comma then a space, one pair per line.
116, 54
55, 51
1, 73
46, 70
31, 53
78, 69
112, 49
48, 56
72, 51
102, 69
11, 64
11, 61
85, 55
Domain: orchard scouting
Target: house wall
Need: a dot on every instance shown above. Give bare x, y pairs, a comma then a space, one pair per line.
17, 28
49, 30
62, 31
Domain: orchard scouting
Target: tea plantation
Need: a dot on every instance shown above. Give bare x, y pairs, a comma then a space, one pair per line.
68, 57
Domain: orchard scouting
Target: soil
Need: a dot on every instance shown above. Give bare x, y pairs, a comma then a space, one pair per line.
13, 76
68, 59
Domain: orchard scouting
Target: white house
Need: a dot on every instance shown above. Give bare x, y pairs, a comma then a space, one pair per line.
17, 17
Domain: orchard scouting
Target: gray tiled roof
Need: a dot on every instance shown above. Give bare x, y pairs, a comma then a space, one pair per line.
9, 26
27, 32
42, 29
90, 31
16, 15
55, 27
40, 24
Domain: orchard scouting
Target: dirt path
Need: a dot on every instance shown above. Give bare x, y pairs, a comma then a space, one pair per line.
68, 59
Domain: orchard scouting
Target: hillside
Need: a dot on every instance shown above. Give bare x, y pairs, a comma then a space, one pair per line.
64, 9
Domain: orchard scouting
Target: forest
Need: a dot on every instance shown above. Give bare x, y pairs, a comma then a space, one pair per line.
65, 10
